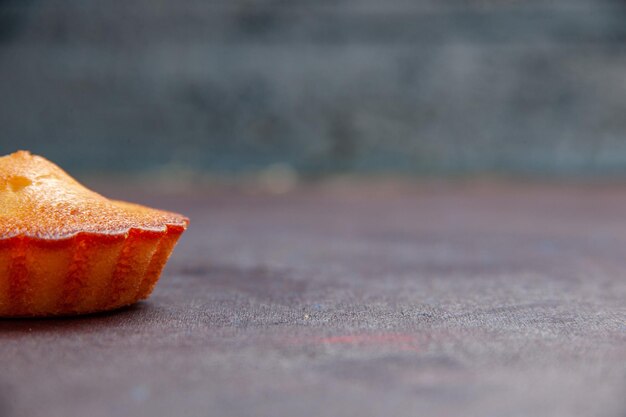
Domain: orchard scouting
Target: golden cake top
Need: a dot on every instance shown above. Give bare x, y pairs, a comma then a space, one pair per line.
40, 200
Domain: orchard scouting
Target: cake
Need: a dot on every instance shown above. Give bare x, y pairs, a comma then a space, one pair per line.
67, 250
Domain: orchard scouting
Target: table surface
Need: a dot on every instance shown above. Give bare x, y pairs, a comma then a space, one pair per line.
432, 298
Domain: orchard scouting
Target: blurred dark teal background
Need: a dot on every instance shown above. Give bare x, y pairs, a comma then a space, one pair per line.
321, 87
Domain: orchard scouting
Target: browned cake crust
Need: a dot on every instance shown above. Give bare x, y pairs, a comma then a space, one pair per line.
67, 250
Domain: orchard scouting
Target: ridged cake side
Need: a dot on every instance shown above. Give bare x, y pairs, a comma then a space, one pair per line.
83, 274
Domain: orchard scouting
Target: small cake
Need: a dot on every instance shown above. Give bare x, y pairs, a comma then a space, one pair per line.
67, 250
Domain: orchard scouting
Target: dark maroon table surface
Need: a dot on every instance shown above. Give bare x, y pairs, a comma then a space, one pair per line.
382, 299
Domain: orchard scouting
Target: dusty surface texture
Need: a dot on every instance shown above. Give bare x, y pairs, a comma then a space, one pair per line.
426, 299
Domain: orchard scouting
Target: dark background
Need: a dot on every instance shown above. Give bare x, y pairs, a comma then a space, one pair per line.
359, 294
227, 87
